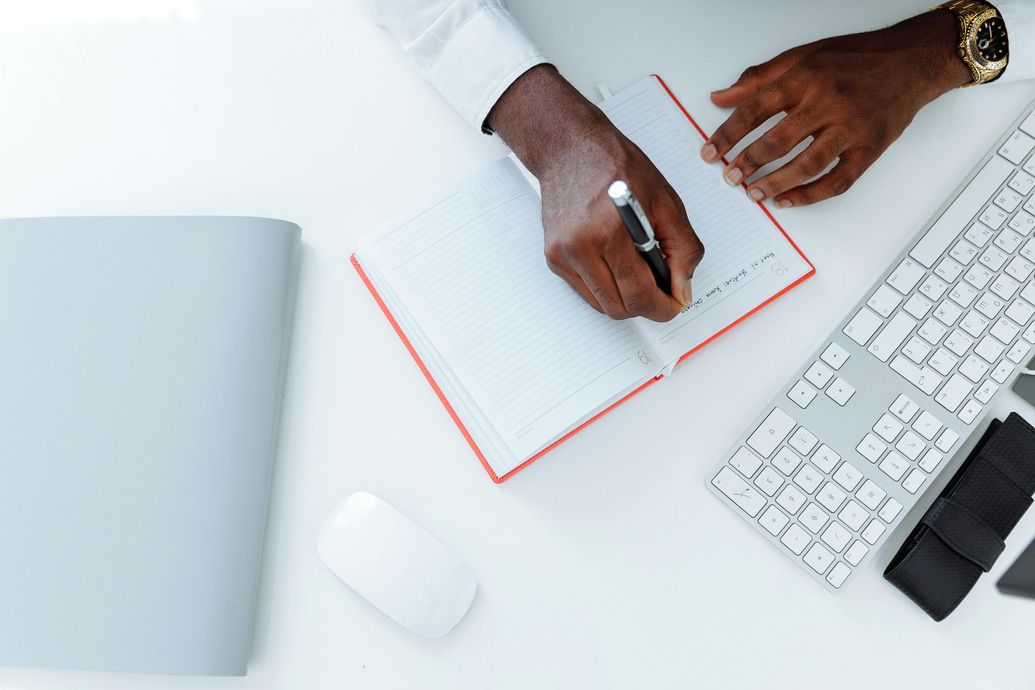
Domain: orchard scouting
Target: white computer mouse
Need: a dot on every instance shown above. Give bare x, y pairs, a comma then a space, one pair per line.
397, 566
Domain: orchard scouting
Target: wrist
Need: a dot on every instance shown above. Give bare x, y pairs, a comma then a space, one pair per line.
543, 119
937, 62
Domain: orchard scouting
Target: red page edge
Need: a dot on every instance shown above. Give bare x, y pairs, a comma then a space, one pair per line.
456, 418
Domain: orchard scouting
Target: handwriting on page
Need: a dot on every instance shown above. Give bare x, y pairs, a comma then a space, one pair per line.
534, 357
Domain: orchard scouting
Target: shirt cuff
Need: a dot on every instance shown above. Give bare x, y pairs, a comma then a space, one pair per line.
1019, 16
481, 59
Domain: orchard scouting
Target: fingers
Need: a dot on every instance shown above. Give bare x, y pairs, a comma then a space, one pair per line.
805, 166
774, 144
745, 119
757, 77
839, 180
683, 249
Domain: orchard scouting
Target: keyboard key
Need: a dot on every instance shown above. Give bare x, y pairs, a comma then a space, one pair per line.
1029, 124
904, 408
795, 539
768, 481
894, 465
933, 288
989, 349
923, 378
890, 511
831, 497
791, 500
974, 324
856, 552
838, 574
853, 515
948, 269
932, 331
871, 448
803, 440
862, 326
937, 239
746, 462
808, 478
773, 520
979, 276
994, 257
884, 301
1029, 334
963, 294
914, 481
771, 433
1005, 287
963, 252
819, 559
910, 445
1018, 352
1028, 252
973, 368
848, 476
927, 425
836, 537
970, 411
958, 342
888, 428
786, 460
738, 491
931, 460
1008, 241
819, 375
1023, 222
955, 391
948, 313
906, 276
917, 306
1019, 268
943, 362
826, 459
1005, 331
802, 394
1020, 312
835, 356
990, 305
986, 391
1017, 147
873, 532
871, 495
813, 518
1022, 183
1002, 371
947, 440
840, 391
993, 217
979, 234
1008, 200
893, 335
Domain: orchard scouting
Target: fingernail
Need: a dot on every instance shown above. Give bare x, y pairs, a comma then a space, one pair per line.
733, 176
756, 194
785, 203
686, 294
709, 153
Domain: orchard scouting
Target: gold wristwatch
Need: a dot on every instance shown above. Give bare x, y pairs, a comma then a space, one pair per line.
984, 46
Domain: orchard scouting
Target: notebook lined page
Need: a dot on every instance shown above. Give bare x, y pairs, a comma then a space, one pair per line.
533, 357
747, 260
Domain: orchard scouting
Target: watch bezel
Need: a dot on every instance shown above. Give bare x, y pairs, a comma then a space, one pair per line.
973, 25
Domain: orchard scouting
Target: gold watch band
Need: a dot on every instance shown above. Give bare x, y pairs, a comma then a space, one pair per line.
967, 12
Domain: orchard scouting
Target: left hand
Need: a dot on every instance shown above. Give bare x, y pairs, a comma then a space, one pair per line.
854, 95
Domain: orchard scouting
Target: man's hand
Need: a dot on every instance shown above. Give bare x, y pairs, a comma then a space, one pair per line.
576, 153
854, 95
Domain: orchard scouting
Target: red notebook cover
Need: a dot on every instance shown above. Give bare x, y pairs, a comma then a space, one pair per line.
449, 407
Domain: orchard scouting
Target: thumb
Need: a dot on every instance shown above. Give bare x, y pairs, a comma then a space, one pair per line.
683, 252
754, 78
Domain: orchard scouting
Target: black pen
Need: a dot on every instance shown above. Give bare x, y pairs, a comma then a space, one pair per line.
639, 227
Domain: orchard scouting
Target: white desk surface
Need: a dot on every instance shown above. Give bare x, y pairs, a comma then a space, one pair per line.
606, 564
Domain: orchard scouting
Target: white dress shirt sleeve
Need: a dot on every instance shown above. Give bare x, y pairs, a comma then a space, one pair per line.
1020, 27
470, 50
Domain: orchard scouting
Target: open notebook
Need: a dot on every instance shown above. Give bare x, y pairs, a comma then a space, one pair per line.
518, 359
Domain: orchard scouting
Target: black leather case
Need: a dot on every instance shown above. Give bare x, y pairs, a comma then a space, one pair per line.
964, 532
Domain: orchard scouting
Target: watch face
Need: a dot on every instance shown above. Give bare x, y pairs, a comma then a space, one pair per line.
990, 40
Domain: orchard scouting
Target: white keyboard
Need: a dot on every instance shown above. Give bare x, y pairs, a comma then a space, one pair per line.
832, 464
